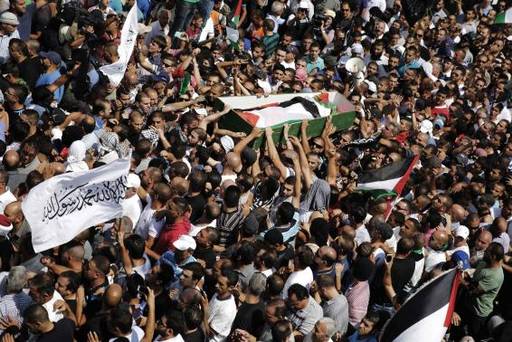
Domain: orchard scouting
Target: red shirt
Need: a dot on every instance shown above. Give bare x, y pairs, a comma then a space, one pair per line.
171, 234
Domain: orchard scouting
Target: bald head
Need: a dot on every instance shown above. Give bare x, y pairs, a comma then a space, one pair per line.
189, 296
458, 213
179, 185
11, 159
439, 240
13, 209
162, 192
484, 240
76, 252
327, 253
113, 295
233, 161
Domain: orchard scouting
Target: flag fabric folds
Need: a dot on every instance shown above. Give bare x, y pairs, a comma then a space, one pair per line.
115, 71
389, 179
61, 207
236, 14
504, 17
427, 313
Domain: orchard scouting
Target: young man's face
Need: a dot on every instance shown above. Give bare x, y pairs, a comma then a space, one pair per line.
258, 52
222, 285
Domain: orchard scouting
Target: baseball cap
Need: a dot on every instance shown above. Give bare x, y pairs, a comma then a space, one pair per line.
227, 143
53, 56
426, 126
185, 242
462, 231
9, 18
356, 49
462, 258
303, 5
330, 13
133, 181
371, 85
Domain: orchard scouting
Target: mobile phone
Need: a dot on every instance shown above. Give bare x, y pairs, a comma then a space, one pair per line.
389, 258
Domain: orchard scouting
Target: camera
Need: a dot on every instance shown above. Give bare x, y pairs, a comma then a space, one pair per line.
317, 20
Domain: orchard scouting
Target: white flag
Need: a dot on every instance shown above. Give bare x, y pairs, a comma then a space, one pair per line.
115, 71
63, 206
208, 30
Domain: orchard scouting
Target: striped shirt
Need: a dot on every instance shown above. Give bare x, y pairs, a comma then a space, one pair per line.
270, 43
12, 305
304, 320
228, 224
358, 296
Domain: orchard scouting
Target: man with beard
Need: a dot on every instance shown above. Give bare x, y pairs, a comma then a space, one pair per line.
170, 327
136, 123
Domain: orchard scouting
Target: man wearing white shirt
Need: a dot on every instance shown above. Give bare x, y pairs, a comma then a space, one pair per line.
222, 308
148, 227
8, 30
302, 274
159, 27
6, 195
132, 206
43, 292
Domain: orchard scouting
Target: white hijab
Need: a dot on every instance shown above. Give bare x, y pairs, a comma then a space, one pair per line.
76, 157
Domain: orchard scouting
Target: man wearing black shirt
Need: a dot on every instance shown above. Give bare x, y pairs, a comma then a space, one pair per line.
251, 314
38, 323
205, 240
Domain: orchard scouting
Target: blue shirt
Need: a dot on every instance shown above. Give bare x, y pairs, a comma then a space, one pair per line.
318, 64
49, 78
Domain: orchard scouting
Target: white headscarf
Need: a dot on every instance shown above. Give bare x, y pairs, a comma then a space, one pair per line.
76, 157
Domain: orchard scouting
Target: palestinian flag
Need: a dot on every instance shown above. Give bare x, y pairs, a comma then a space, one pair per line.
504, 17
185, 82
236, 15
296, 109
427, 314
389, 179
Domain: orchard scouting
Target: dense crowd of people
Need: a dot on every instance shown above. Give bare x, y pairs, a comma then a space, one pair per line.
223, 241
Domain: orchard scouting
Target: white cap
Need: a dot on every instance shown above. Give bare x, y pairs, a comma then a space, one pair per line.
133, 181
304, 4
356, 49
185, 242
426, 126
227, 143
371, 86
462, 231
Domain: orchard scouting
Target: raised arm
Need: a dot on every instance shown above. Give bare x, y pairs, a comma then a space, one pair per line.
255, 133
213, 117
304, 136
306, 171
274, 155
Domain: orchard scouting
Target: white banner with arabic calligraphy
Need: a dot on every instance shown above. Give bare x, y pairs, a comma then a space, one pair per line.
115, 71
63, 206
